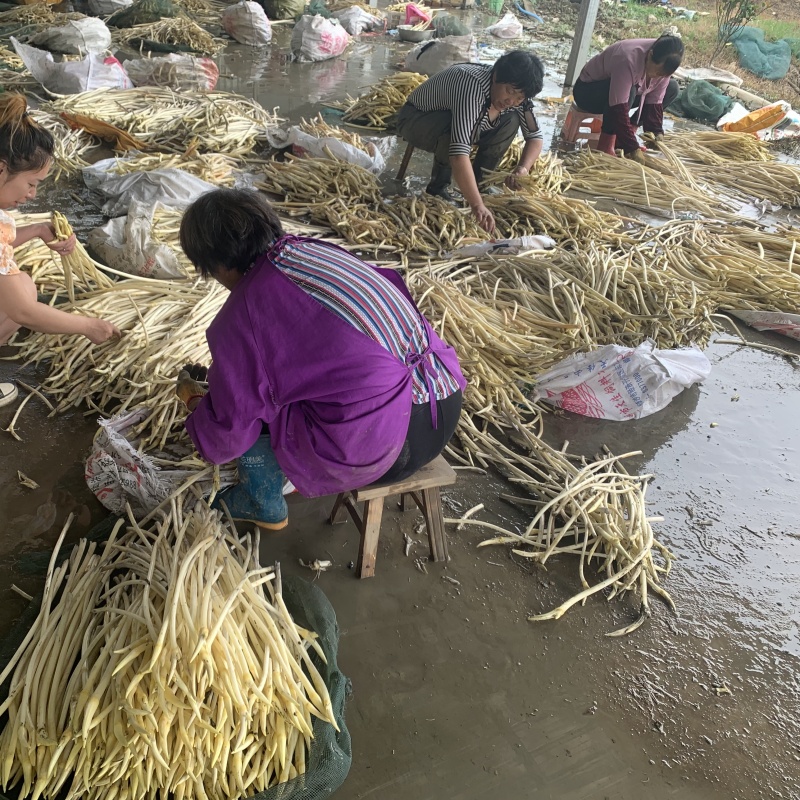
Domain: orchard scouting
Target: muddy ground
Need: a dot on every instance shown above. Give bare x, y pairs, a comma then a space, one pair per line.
455, 694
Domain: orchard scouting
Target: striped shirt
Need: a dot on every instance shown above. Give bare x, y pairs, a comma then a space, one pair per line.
465, 91
357, 294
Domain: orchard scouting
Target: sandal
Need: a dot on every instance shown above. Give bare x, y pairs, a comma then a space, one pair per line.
8, 393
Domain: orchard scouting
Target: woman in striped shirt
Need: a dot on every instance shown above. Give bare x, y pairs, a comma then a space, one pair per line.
323, 367
475, 104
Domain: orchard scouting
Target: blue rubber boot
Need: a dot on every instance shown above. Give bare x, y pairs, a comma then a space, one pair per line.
258, 497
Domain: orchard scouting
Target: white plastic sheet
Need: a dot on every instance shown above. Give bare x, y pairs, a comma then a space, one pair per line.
318, 39
355, 20
505, 247
315, 146
172, 187
105, 8
428, 58
772, 321
621, 383
177, 71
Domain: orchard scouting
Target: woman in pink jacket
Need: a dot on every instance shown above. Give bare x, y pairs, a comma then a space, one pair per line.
631, 75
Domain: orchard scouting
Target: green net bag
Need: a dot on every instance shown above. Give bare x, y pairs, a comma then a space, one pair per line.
447, 25
769, 60
143, 12
794, 45
284, 9
702, 101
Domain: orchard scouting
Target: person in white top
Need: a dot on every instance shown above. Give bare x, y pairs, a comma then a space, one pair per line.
26, 154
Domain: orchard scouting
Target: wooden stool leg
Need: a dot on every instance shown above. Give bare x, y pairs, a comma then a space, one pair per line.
368, 551
337, 512
401, 173
434, 521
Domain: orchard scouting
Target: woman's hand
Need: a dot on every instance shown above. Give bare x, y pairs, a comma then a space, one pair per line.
62, 247
483, 217
511, 180
637, 156
98, 331
189, 391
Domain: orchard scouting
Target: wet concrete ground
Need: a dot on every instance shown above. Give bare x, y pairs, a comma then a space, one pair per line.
458, 696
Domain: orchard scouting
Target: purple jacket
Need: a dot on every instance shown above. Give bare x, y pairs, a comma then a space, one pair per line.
624, 63
336, 402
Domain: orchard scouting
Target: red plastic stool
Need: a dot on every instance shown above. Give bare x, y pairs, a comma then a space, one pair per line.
581, 126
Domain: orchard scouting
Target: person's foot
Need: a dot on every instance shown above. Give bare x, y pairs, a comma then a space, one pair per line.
444, 193
8, 393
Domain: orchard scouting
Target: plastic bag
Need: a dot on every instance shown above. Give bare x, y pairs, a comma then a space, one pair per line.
303, 143
415, 15
759, 120
509, 27
620, 383
772, 321
76, 37
117, 473
172, 187
505, 247
73, 77
447, 25
102, 8
318, 39
127, 245
181, 72
788, 128
355, 20
284, 9
246, 22
428, 58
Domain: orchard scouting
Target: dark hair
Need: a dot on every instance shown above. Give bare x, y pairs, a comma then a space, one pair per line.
24, 145
667, 53
523, 70
228, 228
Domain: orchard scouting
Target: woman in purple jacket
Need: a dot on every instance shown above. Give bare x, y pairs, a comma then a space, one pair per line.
323, 367
631, 74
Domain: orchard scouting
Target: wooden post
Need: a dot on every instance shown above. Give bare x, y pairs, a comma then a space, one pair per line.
579, 54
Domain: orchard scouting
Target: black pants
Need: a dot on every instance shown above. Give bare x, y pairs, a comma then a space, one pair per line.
424, 442
593, 97
430, 131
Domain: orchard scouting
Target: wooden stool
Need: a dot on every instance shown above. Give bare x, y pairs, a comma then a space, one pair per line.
423, 487
581, 126
401, 173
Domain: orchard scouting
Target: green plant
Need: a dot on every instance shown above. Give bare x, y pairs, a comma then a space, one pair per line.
732, 16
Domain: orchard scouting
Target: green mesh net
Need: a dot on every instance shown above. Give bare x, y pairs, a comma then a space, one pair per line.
330, 756
702, 101
765, 59
143, 12
283, 9
448, 25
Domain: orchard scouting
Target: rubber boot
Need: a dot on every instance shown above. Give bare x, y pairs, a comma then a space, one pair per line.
606, 143
258, 497
441, 175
